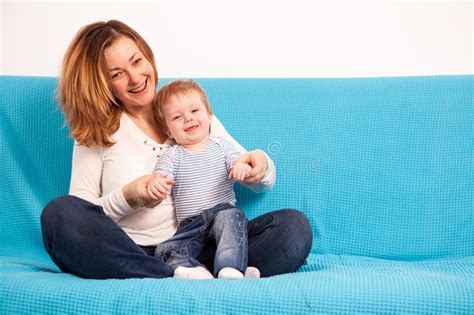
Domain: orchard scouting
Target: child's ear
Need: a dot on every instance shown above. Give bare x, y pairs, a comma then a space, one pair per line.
210, 123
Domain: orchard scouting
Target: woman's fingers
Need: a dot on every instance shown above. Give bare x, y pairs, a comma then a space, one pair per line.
258, 163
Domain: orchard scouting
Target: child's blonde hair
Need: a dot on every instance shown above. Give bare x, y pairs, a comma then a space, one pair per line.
176, 87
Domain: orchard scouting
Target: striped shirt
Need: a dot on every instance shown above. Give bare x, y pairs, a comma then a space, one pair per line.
201, 177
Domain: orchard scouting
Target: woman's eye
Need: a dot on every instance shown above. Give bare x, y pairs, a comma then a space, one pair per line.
138, 60
116, 75
194, 110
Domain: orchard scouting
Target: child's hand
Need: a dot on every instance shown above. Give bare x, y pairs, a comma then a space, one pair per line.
158, 189
259, 163
240, 171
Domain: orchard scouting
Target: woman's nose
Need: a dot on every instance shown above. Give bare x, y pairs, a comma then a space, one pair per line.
133, 77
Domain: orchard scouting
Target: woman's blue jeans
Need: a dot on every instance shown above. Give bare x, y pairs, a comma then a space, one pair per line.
223, 224
83, 241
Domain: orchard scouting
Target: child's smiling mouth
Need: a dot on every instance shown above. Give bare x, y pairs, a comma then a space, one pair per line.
191, 128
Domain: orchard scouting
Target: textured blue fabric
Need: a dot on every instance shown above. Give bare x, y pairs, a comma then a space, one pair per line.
382, 167
328, 284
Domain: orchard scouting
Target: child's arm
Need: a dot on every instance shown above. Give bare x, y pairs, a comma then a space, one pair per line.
158, 188
236, 168
263, 174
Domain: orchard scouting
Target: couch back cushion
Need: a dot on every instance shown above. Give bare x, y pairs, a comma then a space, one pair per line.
382, 167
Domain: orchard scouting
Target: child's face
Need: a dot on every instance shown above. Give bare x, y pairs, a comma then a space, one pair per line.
187, 119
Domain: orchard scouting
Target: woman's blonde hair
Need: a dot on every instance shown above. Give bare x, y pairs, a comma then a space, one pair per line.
90, 108
176, 87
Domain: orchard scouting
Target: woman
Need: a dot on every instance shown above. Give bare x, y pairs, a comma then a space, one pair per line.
108, 226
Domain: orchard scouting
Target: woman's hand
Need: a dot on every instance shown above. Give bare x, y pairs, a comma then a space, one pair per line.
259, 164
136, 193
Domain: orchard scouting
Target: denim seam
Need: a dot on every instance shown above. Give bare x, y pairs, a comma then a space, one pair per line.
264, 234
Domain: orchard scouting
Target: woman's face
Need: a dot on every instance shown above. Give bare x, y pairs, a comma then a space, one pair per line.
130, 74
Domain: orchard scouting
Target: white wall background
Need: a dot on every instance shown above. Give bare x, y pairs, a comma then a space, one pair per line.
247, 39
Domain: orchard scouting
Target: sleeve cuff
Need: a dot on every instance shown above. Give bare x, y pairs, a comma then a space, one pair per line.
123, 202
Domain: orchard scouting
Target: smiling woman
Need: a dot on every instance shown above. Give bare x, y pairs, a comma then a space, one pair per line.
85, 79
107, 225
132, 80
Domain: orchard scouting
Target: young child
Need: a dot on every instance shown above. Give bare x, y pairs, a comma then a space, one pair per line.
203, 170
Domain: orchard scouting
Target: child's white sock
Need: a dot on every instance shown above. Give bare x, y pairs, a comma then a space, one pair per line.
192, 273
230, 273
252, 272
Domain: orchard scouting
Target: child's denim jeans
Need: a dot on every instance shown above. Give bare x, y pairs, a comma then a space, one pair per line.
224, 224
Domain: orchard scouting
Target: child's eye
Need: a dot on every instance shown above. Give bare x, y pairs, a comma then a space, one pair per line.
176, 117
194, 110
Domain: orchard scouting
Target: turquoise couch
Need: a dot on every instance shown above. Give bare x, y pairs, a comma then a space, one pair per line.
382, 167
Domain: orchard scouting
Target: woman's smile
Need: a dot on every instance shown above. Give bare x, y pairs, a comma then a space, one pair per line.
141, 89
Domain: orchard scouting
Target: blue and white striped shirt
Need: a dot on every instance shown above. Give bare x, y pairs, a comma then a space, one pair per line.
201, 177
